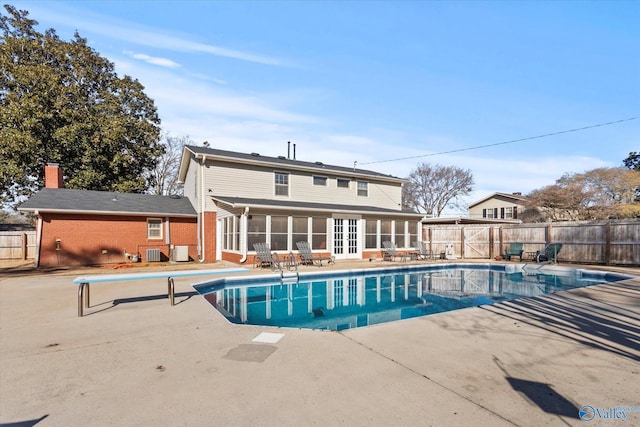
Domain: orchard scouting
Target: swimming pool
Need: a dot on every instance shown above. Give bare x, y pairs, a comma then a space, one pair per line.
338, 300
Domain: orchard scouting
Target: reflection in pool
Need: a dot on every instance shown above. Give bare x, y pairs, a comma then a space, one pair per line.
343, 300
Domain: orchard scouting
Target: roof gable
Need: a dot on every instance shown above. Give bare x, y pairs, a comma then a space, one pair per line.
106, 202
513, 198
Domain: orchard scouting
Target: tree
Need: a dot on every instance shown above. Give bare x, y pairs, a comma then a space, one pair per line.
61, 102
163, 178
633, 161
596, 194
430, 188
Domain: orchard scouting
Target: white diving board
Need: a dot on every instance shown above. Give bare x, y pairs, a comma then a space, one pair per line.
84, 281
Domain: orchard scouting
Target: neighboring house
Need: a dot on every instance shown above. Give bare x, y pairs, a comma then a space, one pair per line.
79, 227
498, 206
243, 199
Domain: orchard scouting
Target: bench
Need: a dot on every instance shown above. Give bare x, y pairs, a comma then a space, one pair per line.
84, 281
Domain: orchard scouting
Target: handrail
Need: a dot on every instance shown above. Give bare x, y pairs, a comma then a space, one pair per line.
84, 282
290, 262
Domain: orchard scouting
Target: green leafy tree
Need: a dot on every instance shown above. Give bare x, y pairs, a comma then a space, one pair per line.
430, 188
61, 102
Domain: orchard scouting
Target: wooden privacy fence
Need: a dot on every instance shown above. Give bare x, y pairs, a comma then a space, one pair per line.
19, 245
615, 242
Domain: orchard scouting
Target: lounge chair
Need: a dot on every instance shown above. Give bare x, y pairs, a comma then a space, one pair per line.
307, 257
390, 252
421, 251
514, 249
264, 256
549, 253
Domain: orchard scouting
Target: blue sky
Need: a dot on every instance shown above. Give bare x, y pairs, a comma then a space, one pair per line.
370, 82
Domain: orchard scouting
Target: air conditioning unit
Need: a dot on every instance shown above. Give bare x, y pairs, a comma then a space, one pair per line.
181, 253
153, 255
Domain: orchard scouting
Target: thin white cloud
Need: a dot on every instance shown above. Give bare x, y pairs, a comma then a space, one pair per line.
153, 60
130, 32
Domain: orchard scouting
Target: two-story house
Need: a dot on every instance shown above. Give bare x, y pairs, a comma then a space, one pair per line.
243, 199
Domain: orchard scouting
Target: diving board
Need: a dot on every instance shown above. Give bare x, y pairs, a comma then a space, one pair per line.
84, 281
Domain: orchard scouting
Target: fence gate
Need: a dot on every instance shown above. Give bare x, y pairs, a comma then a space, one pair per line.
476, 242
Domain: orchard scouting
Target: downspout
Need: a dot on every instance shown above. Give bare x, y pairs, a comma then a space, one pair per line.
167, 237
244, 235
38, 238
202, 205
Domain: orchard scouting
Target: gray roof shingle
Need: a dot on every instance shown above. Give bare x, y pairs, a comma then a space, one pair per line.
288, 205
105, 202
316, 166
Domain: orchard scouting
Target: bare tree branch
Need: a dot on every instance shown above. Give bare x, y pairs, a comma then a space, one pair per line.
432, 187
164, 178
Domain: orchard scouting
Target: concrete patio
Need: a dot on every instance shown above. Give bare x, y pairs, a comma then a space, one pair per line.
135, 360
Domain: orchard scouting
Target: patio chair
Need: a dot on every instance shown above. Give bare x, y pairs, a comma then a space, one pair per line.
514, 249
549, 253
307, 257
389, 252
421, 251
264, 256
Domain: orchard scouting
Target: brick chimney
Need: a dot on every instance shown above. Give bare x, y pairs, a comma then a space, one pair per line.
53, 176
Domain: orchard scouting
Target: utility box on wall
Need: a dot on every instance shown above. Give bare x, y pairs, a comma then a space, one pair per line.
181, 253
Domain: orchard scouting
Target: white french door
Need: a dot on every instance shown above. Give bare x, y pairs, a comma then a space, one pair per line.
345, 238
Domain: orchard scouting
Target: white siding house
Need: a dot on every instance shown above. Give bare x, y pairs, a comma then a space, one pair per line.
345, 212
498, 206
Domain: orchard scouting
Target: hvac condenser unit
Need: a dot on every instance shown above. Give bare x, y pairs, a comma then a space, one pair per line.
181, 253
153, 255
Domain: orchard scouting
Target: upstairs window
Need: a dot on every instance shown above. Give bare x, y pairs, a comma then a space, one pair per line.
343, 183
281, 184
320, 180
363, 189
154, 228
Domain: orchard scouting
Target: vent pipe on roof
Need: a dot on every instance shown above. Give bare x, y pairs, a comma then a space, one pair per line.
288, 149
294, 151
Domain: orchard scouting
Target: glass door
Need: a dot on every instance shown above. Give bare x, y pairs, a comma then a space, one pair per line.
345, 238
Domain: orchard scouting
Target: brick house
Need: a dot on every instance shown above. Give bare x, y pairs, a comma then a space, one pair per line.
242, 199
79, 227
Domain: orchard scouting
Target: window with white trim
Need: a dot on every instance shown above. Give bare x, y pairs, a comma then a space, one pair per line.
343, 183
281, 181
371, 234
508, 213
363, 189
279, 233
399, 234
320, 180
154, 228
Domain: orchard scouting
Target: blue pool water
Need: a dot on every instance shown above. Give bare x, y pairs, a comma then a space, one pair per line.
340, 300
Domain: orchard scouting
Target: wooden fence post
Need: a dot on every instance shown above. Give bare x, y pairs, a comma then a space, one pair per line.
607, 243
491, 250
462, 242
24, 246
